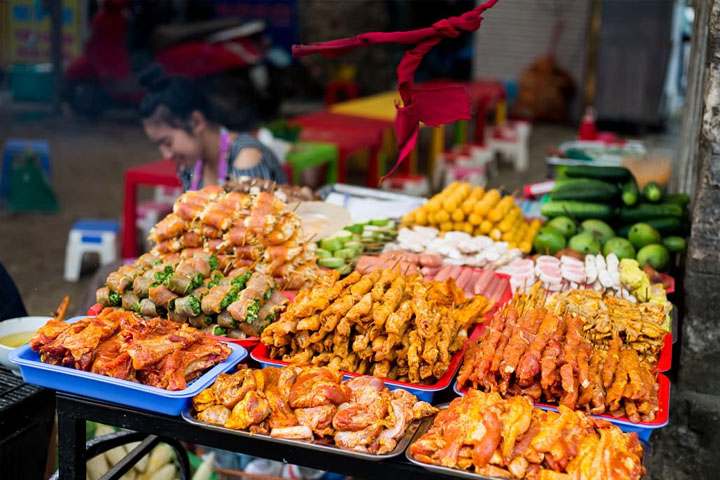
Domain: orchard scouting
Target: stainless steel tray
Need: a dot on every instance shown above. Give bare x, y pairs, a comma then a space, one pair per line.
399, 448
452, 472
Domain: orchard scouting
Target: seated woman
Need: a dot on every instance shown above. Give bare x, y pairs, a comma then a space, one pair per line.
176, 117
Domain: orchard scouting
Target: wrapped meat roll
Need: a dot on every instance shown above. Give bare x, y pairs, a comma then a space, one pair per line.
182, 284
147, 308
130, 301
247, 306
218, 298
161, 296
102, 296
177, 318
141, 285
267, 314
188, 306
226, 320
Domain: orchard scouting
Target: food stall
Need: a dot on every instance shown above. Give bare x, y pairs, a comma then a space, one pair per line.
266, 322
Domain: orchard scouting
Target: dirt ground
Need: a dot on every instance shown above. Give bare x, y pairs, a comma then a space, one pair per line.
88, 162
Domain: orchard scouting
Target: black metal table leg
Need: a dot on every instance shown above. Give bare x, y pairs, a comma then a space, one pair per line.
71, 445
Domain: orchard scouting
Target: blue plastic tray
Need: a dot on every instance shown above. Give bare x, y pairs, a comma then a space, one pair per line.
111, 389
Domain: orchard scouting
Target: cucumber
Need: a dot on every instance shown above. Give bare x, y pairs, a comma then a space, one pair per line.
578, 210
562, 183
674, 244
644, 211
666, 226
357, 228
587, 194
630, 192
345, 270
616, 174
331, 244
379, 222
681, 199
322, 253
357, 246
344, 235
332, 262
345, 253
652, 192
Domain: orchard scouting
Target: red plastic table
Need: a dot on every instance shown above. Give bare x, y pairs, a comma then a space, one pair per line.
350, 134
158, 173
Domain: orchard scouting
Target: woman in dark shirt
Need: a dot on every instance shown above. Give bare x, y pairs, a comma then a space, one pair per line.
176, 117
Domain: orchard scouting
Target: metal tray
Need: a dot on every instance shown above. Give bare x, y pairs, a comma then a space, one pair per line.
399, 448
452, 472
355, 191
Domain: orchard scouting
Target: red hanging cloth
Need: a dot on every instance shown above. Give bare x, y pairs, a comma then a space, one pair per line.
433, 107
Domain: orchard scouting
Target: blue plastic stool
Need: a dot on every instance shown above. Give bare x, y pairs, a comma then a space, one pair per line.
17, 146
86, 236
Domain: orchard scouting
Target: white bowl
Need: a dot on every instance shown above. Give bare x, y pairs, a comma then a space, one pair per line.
17, 325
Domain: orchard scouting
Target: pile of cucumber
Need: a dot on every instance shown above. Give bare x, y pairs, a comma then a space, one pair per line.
342, 250
611, 194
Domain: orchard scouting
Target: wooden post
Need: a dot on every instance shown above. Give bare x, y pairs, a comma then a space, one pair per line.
55, 9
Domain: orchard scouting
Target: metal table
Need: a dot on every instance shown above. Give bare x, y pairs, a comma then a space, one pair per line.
73, 411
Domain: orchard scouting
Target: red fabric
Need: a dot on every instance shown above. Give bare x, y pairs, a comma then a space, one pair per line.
432, 107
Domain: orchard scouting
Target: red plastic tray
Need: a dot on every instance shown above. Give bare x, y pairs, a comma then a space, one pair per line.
423, 392
644, 429
665, 358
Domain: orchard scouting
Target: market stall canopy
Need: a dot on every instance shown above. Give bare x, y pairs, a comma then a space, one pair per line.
433, 107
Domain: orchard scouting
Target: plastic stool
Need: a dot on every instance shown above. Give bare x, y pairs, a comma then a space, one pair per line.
17, 146
511, 141
90, 236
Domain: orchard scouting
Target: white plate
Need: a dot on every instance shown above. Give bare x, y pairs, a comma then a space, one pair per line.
17, 325
321, 220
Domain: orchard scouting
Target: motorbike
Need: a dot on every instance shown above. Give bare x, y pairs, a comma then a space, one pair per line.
228, 59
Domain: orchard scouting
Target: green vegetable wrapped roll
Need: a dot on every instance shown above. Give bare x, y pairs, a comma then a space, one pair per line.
188, 306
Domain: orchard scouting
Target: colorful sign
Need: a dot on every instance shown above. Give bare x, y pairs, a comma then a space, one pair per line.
26, 31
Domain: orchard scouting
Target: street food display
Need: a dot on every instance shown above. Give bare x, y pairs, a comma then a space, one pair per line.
485, 434
550, 357
549, 353
384, 323
121, 345
311, 403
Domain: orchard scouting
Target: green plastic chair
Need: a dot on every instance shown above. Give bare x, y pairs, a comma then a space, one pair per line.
306, 155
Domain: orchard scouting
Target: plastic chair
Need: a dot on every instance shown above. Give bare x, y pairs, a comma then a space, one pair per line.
510, 140
100, 445
17, 146
90, 236
306, 155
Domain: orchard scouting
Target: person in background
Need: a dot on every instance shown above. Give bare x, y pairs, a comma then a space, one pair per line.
177, 117
11, 304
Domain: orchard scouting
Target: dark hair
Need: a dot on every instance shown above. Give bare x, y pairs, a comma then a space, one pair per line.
171, 99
